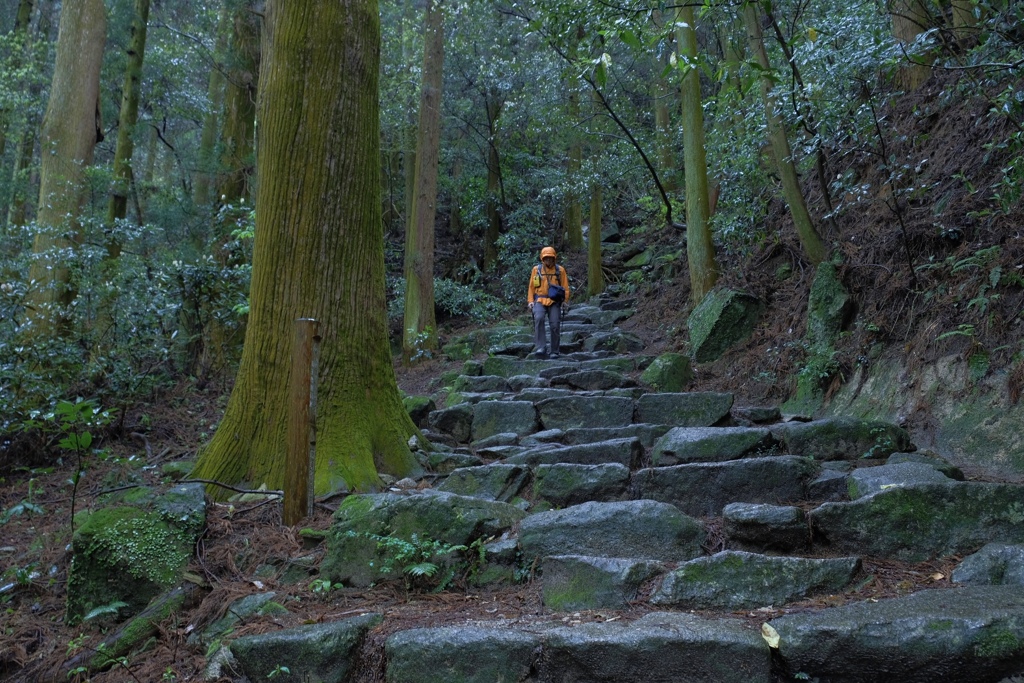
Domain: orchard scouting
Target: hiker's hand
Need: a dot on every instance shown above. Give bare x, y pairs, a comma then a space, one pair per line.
529, 305
565, 308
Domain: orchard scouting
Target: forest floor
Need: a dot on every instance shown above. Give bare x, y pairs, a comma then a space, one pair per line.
942, 259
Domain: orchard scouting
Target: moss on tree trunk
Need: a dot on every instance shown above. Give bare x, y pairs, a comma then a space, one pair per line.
318, 253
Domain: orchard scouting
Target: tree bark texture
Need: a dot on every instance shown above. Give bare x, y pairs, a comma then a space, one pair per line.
69, 135
318, 253
595, 273
129, 115
810, 240
420, 326
493, 229
700, 251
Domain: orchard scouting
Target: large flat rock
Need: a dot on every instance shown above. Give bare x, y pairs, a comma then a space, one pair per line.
642, 529
461, 654
317, 652
711, 444
692, 409
569, 412
702, 489
741, 580
627, 452
658, 648
924, 521
972, 634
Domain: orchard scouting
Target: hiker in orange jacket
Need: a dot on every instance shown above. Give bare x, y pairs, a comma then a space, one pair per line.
547, 302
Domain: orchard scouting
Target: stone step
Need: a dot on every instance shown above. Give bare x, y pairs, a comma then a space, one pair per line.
970, 634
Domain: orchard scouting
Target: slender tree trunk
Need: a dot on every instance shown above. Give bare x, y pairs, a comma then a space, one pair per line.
700, 251
810, 240
239, 129
493, 230
318, 253
419, 332
118, 206
214, 102
69, 135
595, 273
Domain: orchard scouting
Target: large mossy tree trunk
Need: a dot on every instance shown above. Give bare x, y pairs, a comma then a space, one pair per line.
70, 132
318, 253
700, 251
419, 329
813, 246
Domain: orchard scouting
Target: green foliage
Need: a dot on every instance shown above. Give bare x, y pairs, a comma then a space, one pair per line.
27, 506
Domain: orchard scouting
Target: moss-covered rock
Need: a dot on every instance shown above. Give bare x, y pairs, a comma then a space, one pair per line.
724, 318
669, 372
133, 548
356, 554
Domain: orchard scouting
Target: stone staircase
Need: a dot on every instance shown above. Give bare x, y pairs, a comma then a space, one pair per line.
605, 492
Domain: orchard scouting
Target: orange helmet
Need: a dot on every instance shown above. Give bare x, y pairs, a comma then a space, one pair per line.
548, 251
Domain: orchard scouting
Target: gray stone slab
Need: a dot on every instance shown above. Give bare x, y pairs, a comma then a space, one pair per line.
996, 564
497, 481
585, 411
711, 444
627, 452
641, 529
318, 652
496, 417
923, 522
658, 648
974, 633
647, 433
741, 580
866, 481
842, 438
578, 582
702, 489
566, 484
460, 654
759, 528
692, 409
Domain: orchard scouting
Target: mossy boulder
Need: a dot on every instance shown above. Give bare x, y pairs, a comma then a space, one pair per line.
711, 444
564, 484
356, 554
669, 372
419, 407
842, 438
974, 633
575, 582
923, 522
133, 549
724, 318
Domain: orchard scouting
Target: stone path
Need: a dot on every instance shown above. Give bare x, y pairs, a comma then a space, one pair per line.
603, 487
